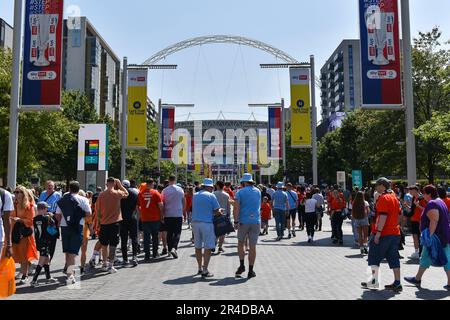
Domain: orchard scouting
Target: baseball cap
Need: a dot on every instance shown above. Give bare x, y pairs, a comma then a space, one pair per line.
43, 205
384, 182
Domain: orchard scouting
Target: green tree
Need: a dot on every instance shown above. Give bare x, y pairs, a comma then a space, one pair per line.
431, 77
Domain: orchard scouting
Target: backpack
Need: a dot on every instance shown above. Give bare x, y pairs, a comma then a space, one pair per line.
71, 210
2, 196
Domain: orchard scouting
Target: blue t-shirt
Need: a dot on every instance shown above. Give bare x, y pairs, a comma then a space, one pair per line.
293, 199
51, 201
203, 205
250, 205
279, 200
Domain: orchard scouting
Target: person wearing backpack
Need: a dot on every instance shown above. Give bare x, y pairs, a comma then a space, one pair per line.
51, 197
418, 205
71, 210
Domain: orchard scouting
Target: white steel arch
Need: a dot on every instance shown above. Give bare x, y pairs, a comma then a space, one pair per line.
220, 39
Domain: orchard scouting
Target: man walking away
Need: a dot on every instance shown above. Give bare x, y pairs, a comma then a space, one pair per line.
387, 237
204, 207
129, 224
174, 204
224, 201
247, 220
70, 212
110, 216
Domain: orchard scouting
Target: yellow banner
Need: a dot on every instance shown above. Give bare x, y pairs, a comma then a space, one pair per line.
137, 109
300, 108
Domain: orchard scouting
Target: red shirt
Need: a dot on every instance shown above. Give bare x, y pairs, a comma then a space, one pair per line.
388, 203
230, 192
266, 211
188, 202
337, 204
418, 211
148, 201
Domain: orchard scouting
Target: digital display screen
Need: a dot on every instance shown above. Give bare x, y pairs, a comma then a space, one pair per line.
92, 152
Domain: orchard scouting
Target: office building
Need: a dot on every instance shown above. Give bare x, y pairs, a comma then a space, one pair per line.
6, 35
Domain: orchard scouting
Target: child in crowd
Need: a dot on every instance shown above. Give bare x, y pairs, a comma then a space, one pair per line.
266, 214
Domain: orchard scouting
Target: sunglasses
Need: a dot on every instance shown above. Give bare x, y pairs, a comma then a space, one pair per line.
17, 192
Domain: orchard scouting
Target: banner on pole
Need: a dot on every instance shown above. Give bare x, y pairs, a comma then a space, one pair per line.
167, 132
275, 133
341, 181
42, 55
357, 178
301, 135
380, 54
137, 109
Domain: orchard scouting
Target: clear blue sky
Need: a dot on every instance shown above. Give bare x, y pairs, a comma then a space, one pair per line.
227, 77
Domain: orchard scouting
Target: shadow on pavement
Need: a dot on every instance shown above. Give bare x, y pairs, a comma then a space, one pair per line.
229, 282
377, 295
27, 289
426, 294
188, 280
356, 256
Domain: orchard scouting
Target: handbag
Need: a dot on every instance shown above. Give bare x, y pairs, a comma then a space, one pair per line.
7, 282
222, 225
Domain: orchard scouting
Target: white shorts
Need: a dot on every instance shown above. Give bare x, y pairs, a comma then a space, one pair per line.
204, 236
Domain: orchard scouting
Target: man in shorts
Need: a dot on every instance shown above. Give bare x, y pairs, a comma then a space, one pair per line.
108, 207
247, 220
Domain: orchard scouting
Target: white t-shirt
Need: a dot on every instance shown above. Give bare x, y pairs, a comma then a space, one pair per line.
173, 201
319, 198
7, 206
271, 192
310, 205
84, 204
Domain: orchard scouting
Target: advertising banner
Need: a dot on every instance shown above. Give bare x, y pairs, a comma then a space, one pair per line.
93, 147
137, 109
357, 178
275, 134
300, 108
341, 181
380, 54
42, 55
167, 131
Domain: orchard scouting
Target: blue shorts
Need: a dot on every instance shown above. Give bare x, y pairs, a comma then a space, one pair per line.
72, 239
387, 248
204, 236
425, 259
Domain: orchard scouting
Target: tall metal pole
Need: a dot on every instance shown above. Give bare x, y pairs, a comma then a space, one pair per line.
283, 125
15, 96
124, 120
409, 95
159, 139
314, 122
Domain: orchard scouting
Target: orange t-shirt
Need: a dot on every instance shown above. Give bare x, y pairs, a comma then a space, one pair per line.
266, 210
188, 202
335, 204
148, 201
417, 211
388, 203
108, 207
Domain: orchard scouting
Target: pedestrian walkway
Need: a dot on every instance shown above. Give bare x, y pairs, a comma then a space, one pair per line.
289, 270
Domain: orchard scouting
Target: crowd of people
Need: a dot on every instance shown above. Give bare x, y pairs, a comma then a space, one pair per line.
148, 219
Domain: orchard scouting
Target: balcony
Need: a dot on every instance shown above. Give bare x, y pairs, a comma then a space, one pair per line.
339, 87
324, 85
330, 76
338, 57
339, 77
340, 98
323, 93
331, 95
339, 67
330, 66
330, 85
323, 77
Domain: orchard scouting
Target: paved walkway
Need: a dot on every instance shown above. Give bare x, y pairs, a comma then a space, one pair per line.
291, 270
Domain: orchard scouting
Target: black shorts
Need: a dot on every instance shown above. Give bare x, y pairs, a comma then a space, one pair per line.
44, 248
72, 238
109, 234
292, 214
415, 228
162, 227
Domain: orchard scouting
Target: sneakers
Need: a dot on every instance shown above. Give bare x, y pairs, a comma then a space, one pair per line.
279, 238
200, 272
207, 274
23, 280
164, 252
112, 270
174, 253
413, 281
395, 288
293, 234
221, 250
371, 284
134, 262
156, 256
366, 251
51, 281
105, 268
361, 250
415, 256
251, 275
34, 284
447, 287
289, 236
239, 272
71, 280
92, 263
